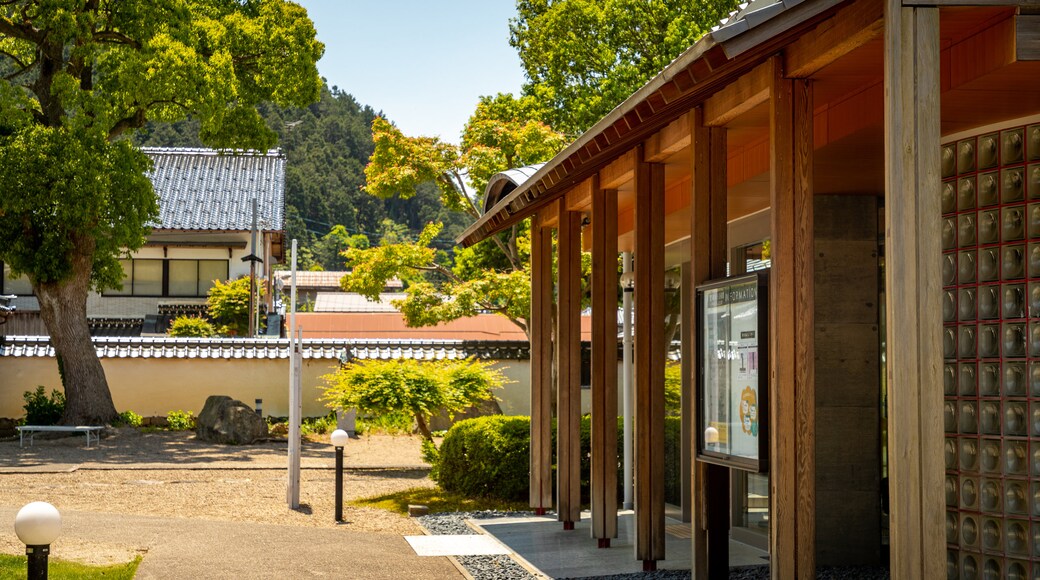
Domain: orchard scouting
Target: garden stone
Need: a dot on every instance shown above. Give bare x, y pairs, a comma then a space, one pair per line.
225, 420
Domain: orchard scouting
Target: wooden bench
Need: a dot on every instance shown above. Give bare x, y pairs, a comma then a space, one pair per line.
92, 432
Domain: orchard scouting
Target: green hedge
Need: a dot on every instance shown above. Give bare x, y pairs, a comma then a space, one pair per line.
489, 457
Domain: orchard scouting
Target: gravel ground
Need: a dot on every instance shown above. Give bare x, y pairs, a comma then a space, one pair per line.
480, 567
171, 474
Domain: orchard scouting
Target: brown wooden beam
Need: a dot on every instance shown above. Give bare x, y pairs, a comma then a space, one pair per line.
568, 367
739, 97
649, 361
618, 172
846, 31
579, 198
914, 334
708, 484
603, 479
792, 386
668, 141
541, 493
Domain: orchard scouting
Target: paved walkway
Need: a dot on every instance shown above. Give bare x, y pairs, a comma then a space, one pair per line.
183, 548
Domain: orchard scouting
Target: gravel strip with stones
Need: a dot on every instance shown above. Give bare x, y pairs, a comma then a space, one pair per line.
480, 567
494, 567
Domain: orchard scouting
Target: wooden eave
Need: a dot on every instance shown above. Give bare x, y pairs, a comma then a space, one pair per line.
707, 67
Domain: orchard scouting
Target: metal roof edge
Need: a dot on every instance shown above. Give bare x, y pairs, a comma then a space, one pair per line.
762, 22
683, 61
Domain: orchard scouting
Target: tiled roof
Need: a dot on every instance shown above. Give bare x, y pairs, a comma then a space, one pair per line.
203, 189
323, 279
353, 302
240, 348
391, 325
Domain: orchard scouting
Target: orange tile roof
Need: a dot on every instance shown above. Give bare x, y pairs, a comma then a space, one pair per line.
376, 325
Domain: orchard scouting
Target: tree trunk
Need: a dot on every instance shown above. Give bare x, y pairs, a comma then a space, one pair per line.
424, 429
63, 307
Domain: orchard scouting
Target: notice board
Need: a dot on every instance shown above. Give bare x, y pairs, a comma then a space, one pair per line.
733, 377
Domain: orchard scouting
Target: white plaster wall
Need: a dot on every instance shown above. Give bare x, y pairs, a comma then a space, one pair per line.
154, 386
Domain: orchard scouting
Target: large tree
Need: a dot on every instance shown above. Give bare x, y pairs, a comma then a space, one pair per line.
78, 77
584, 57
492, 276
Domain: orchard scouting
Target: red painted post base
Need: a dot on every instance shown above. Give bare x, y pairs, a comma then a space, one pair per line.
649, 565
604, 542
568, 525
539, 511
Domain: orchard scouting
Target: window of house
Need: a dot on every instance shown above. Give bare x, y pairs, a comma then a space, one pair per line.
173, 278
11, 284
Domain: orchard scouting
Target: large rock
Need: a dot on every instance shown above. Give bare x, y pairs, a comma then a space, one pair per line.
225, 420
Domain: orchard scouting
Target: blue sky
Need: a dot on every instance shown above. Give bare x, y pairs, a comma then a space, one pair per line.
423, 63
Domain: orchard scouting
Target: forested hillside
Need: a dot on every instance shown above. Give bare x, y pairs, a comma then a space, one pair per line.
327, 146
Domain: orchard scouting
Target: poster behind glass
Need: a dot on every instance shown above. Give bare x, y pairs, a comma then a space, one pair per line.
732, 386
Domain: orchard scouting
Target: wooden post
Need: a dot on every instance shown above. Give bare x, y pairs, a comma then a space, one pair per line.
541, 494
709, 484
568, 374
649, 361
604, 364
912, 247
792, 383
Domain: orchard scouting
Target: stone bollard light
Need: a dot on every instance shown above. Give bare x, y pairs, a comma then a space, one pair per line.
37, 525
339, 439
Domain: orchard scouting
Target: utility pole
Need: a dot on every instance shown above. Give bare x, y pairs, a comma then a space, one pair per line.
252, 258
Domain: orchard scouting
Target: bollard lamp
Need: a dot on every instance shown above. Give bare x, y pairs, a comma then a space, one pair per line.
339, 440
37, 525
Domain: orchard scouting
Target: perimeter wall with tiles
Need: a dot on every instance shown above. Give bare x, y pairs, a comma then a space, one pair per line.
155, 386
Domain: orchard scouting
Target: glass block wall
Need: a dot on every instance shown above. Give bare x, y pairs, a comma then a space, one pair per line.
991, 344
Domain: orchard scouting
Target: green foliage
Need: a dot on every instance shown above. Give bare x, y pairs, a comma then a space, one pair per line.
584, 57
318, 425
409, 387
673, 388
191, 326
80, 78
388, 424
15, 567
180, 420
328, 251
128, 419
486, 457
41, 409
229, 305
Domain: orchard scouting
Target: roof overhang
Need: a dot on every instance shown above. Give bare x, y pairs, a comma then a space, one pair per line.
713, 62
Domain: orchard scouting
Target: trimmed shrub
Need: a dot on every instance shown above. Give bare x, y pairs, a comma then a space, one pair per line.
41, 409
180, 420
128, 419
486, 457
192, 327
490, 457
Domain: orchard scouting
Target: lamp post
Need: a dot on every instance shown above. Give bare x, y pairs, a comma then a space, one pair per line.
339, 439
37, 526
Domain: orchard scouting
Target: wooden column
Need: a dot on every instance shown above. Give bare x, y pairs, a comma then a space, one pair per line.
650, 352
709, 484
604, 364
912, 235
541, 328
568, 367
792, 384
